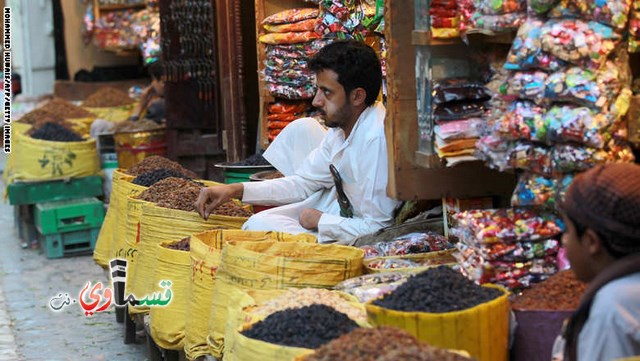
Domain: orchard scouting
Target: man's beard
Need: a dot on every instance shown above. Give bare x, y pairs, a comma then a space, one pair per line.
339, 118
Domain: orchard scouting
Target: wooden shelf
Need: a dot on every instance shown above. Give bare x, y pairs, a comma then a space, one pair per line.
121, 7
423, 38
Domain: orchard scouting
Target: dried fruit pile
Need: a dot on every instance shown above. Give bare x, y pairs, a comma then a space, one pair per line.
40, 115
165, 189
152, 177
65, 109
309, 327
256, 159
300, 297
378, 344
183, 245
137, 126
107, 97
560, 292
181, 194
157, 162
55, 132
437, 290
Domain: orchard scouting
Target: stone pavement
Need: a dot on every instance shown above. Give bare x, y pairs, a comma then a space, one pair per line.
30, 330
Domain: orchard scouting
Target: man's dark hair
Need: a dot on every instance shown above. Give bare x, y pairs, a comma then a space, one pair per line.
604, 238
356, 64
155, 70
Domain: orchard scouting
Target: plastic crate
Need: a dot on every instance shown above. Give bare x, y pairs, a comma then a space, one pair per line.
67, 216
40, 192
69, 243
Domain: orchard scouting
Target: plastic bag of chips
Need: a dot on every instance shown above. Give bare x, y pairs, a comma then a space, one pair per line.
303, 25
292, 16
288, 38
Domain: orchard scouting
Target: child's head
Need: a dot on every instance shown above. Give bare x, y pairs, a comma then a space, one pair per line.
155, 72
602, 212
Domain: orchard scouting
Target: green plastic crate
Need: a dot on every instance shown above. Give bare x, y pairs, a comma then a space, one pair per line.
69, 243
40, 192
67, 216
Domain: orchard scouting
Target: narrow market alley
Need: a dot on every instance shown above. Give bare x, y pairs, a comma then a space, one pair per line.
29, 329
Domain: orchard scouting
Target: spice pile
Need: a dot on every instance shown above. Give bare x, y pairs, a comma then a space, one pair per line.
561, 292
152, 177
308, 327
65, 109
296, 298
183, 245
55, 132
157, 162
107, 97
437, 290
380, 344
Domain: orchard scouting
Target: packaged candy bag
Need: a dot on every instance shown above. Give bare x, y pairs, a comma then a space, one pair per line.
498, 23
534, 190
595, 89
526, 51
523, 120
583, 43
458, 110
306, 91
613, 13
525, 85
532, 157
459, 129
569, 123
540, 7
567, 158
500, 7
494, 151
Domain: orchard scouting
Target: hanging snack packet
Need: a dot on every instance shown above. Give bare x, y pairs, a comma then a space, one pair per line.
579, 42
519, 251
304, 25
534, 190
568, 123
306, 91
613, 13
569, 158
595, 89
523, 120
458, 129
525, 85
292, 16
288, 38
526, 51
531, 157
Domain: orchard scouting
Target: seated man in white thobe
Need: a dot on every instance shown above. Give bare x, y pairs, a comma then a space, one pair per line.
338, 192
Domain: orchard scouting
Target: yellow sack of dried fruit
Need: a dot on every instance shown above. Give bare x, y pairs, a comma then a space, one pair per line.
168, 320
102, 253
158, 224
42, 160
273, 265
206, 252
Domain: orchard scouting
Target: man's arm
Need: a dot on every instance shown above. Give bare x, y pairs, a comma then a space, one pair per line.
212, 197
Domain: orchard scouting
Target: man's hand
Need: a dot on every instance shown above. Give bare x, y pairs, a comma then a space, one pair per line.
309, 218
212, 197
